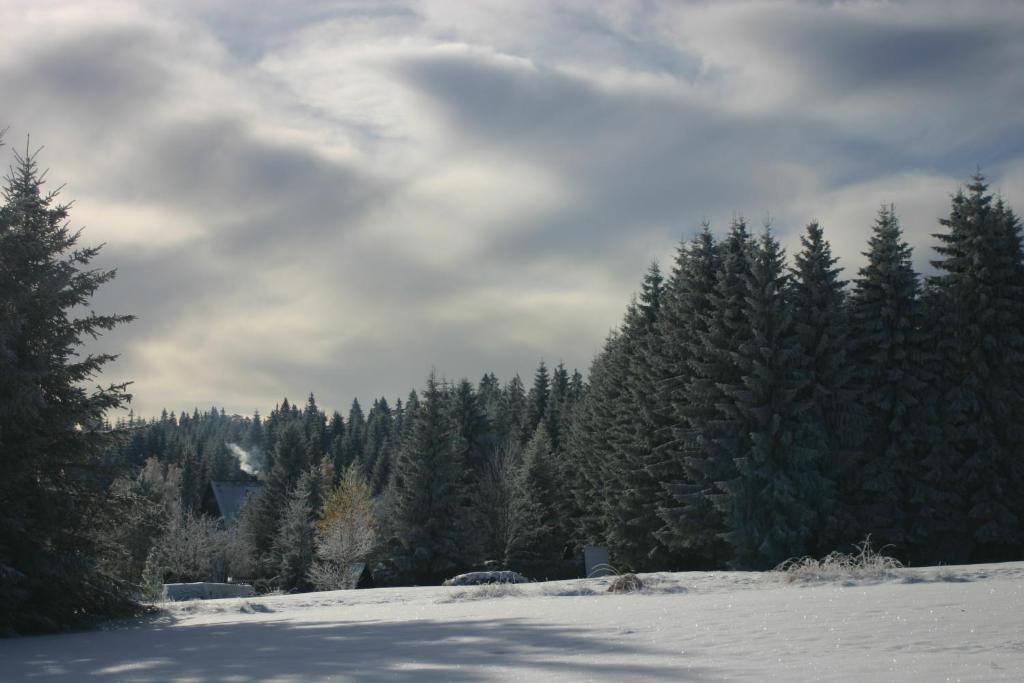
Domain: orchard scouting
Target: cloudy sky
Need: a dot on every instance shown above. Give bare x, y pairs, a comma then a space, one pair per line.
337, 196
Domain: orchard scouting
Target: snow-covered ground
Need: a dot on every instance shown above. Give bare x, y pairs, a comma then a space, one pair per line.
948, 624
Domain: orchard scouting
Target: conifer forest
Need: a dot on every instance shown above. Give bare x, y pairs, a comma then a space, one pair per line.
751, 406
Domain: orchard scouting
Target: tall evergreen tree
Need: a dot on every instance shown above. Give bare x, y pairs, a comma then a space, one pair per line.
426, 503
592, 444
355, 436
633, 518
291, 459
980, 296
537, 399
511, 426
832, 425
293, 543
684, 318
472, 425
708, 432
558, 405
887, 349
773, 505
536, 547
51, 426
315, 423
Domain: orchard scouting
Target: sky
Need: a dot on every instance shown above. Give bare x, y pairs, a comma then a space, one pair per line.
338, 197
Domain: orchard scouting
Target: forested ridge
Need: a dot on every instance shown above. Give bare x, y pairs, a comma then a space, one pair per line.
750, 407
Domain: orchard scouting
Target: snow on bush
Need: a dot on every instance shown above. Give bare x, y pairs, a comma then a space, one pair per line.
479, 578
487, 591
866, 564
626, 583
191, 548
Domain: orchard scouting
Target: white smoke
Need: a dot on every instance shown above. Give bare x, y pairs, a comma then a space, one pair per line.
246, 460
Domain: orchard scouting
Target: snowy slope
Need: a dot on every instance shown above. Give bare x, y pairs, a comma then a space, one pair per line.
956, 623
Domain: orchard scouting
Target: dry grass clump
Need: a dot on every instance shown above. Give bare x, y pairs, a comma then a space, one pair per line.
867, 564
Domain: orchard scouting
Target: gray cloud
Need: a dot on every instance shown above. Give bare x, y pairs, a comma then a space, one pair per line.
644, 160
88, 79
341, 196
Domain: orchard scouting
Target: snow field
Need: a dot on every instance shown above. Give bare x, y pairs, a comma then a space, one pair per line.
955, 624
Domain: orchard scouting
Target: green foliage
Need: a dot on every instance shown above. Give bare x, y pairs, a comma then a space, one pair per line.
978, 299
52, 431
292, 549
427, 506
888, 348
690, 524
773, 505
536, 545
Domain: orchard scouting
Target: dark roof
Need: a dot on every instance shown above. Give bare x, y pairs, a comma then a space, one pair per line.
230, 495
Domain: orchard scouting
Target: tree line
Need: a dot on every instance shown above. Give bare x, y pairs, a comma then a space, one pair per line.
456, 476
747, 410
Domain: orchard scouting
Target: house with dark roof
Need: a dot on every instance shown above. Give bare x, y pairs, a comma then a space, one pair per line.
225, 498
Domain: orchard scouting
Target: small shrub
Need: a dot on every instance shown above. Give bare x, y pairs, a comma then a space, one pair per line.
249, 607
627, 583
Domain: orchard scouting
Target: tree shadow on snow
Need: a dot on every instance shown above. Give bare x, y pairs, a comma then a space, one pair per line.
464, 650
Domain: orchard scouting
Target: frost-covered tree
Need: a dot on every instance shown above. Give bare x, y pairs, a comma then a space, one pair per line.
345, 534
190, 548
292, 549
497, 501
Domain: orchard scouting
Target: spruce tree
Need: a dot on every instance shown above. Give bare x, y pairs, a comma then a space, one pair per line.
537, 400
355, 436
315, 424
536, 547
290, 461
684, 315
773, 505
472, 425
336, 445
980, 296
293, 543
427, 514
888, 352
832, 424
633, 518
592, 444
706, 434
51, 425
378, 435
510, 426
